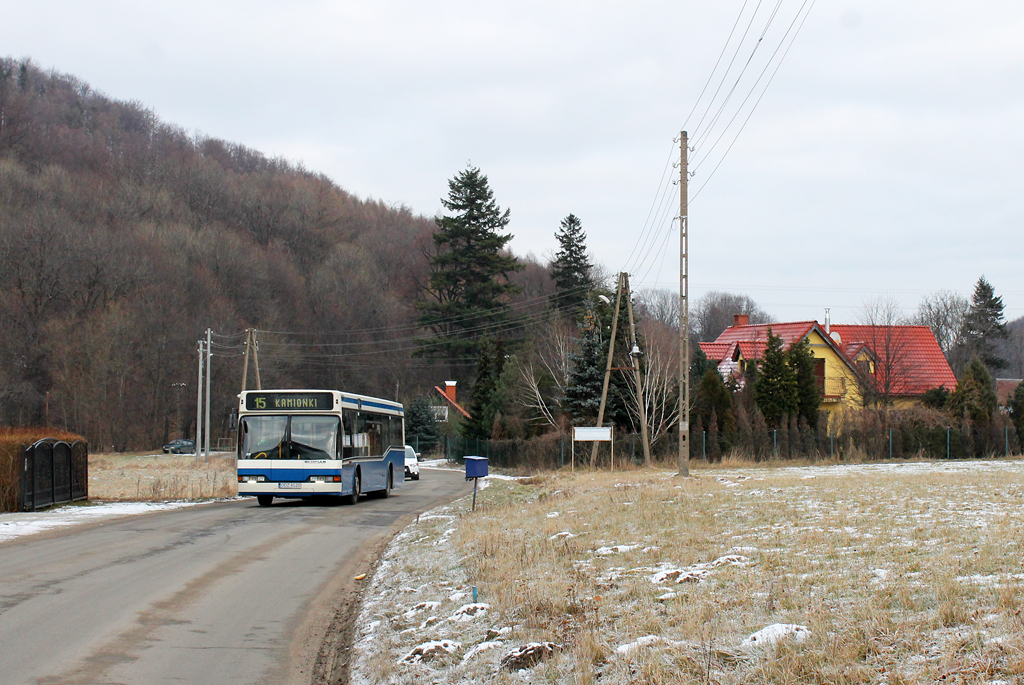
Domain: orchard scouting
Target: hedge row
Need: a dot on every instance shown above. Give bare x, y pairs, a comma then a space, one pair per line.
11, 441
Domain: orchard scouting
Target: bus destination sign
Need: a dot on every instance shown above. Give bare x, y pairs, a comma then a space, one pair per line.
289, 401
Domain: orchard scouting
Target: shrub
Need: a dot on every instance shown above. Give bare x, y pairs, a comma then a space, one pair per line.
11, 442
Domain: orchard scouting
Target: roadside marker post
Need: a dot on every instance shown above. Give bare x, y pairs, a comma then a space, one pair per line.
476, 468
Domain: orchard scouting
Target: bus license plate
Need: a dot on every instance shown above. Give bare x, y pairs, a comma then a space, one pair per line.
290, 486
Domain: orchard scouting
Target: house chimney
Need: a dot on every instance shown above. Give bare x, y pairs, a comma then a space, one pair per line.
449, 390
828, 322
740, 319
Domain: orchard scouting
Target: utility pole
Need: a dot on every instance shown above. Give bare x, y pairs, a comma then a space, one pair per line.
199, 404
635, 356
608, 366
245, 367
256, 359
684, 315
206, 435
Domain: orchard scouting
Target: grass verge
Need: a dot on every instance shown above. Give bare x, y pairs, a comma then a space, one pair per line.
908, 573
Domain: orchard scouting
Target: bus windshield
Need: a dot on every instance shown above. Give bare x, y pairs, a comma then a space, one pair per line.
290, 437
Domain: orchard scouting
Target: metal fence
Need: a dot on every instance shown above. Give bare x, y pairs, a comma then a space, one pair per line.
551, 452
53, 472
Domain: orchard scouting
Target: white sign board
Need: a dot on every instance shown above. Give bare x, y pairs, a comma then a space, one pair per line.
592, 434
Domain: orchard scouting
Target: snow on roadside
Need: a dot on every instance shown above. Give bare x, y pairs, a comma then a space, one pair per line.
15, 525
415, 627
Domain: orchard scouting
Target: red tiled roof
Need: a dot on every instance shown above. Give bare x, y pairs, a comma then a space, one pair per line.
715, 351
914, 348
851, 350
789, 332
918, 350
752, 349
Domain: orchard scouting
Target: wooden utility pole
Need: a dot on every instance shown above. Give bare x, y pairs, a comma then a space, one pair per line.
684, 316
608, 366
251, 344
256, 359
634, 354
245, 368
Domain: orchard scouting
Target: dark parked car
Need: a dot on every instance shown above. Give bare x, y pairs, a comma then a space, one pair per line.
180, 446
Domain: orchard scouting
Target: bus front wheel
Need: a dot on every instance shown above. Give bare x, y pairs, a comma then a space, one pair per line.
264, 500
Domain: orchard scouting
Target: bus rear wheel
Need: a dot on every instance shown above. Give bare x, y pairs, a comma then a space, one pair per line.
354, 497
390, 484
264, 500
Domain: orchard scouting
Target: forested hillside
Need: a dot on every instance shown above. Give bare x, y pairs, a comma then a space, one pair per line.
123, 237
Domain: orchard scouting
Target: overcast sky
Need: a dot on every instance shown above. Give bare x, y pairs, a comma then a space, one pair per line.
885, 155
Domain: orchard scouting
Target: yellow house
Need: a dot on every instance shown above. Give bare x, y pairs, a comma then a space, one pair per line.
894, 365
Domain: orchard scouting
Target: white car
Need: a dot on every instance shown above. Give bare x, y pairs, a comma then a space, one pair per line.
412, 463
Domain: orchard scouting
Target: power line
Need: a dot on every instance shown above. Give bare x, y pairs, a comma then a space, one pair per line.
753, 88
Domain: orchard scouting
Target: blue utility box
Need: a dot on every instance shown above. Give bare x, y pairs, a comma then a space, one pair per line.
476, 467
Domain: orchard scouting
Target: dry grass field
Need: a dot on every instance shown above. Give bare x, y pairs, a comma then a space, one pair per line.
886, 573
150, 477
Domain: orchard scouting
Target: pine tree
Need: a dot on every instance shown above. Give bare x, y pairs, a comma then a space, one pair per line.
468, 285
483, 408
1016, 407
571, 269
983, 324
713, 398
698, 364
583, 393
420, 426
801, 360
776, 388
714, 447
974, 394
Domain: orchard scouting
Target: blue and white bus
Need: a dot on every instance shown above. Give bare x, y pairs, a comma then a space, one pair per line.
306, 443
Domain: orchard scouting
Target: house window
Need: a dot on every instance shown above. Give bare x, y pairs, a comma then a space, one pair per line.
864, 366
819, 374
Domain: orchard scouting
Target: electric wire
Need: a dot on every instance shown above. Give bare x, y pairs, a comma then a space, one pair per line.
763, 91
522, 304
725, 74
698, 144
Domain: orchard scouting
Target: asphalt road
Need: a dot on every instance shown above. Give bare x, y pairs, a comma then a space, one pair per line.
218, 593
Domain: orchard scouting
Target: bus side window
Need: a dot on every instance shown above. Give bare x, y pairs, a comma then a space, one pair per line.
374, 436
360, 442
346, 450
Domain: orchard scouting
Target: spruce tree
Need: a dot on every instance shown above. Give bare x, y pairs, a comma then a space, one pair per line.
974, 395
571, 268
468, 288
483, 408
776, 386
713, 398
802, 361
420, 426
583, 393
1016, 408
984, 324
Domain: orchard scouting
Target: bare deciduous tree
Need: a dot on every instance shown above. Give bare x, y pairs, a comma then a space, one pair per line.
552, 362
889, 344
713, 313
944, 312
658, 304
660, 396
